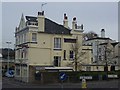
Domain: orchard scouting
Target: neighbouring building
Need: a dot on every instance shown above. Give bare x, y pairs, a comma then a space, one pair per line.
0, 60
44, 45
108, 55
4, 61
99, 47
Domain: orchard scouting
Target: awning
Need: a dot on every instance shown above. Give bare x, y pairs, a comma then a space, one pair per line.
54, 68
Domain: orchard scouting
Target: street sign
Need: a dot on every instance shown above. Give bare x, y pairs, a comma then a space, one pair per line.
85, 77
62, 76
112, 76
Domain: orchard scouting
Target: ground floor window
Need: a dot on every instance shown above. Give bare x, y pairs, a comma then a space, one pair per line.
57, 60
25, 71
112, 68
37, 75
105, 68
18, 71
88, 68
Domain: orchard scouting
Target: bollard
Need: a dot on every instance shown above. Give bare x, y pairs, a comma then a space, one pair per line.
84, 84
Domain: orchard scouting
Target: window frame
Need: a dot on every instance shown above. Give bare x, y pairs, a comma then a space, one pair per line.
57, 43
58, 59
64, 55
34, 38
71, 58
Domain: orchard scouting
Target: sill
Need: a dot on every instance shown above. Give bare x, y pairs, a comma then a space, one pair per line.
58, 49
33, 42
71, 59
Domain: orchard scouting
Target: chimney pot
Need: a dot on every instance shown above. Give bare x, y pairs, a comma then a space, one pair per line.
74, 19
65, 17
41, 13
102, 30
82, 26
103, 33
64, 14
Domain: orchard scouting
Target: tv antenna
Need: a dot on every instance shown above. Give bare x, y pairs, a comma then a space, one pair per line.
42, 5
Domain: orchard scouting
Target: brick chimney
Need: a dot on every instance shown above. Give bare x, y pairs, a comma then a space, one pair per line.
41, 21
74, 23
103, 33
65, 21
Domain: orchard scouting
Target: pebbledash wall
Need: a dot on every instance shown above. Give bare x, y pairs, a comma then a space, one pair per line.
40, 42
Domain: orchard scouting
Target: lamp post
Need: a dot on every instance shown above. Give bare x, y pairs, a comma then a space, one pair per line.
8, 55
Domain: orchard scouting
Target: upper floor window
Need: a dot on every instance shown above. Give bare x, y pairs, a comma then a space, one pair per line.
57, 43
22, 38
22, 55
64, 56
34, 37
18, 54
16, 40
71, 54
25, 37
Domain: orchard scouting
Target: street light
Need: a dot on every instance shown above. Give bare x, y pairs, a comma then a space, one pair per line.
8, 56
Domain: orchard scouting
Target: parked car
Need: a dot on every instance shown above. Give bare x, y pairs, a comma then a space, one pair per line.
9, 73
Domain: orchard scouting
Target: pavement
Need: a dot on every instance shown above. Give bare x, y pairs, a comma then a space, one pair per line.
11, 83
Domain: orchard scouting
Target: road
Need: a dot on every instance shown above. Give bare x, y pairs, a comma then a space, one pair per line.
11, 83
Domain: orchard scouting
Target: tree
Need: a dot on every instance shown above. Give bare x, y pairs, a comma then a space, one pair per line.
78, 54
89, 35
107, 55
5, 53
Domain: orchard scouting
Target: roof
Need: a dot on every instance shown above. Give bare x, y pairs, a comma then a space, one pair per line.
100, 38
54, 28
103, 43
115, 43
31, 18
50, 26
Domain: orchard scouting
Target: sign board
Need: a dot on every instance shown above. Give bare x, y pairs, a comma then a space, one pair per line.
112, 76
62, 76
85, 77
11, 72
39, 68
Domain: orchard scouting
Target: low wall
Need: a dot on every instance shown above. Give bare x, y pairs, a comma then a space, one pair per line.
72, 77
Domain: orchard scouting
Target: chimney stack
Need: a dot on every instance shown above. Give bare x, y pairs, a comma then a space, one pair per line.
65, 21
103, 33
41, 21
74, 23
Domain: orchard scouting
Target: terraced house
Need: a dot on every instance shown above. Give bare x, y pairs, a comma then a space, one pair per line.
44, 45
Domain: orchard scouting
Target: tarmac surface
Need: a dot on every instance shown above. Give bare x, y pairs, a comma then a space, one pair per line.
11, 83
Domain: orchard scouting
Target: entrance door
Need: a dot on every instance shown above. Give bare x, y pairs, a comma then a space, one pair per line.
105, 68
57, 61
112, 68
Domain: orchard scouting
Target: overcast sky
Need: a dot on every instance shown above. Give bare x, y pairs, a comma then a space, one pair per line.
94, 16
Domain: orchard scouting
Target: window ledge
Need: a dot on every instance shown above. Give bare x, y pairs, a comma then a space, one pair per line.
71, 59
59, 49
64, 59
